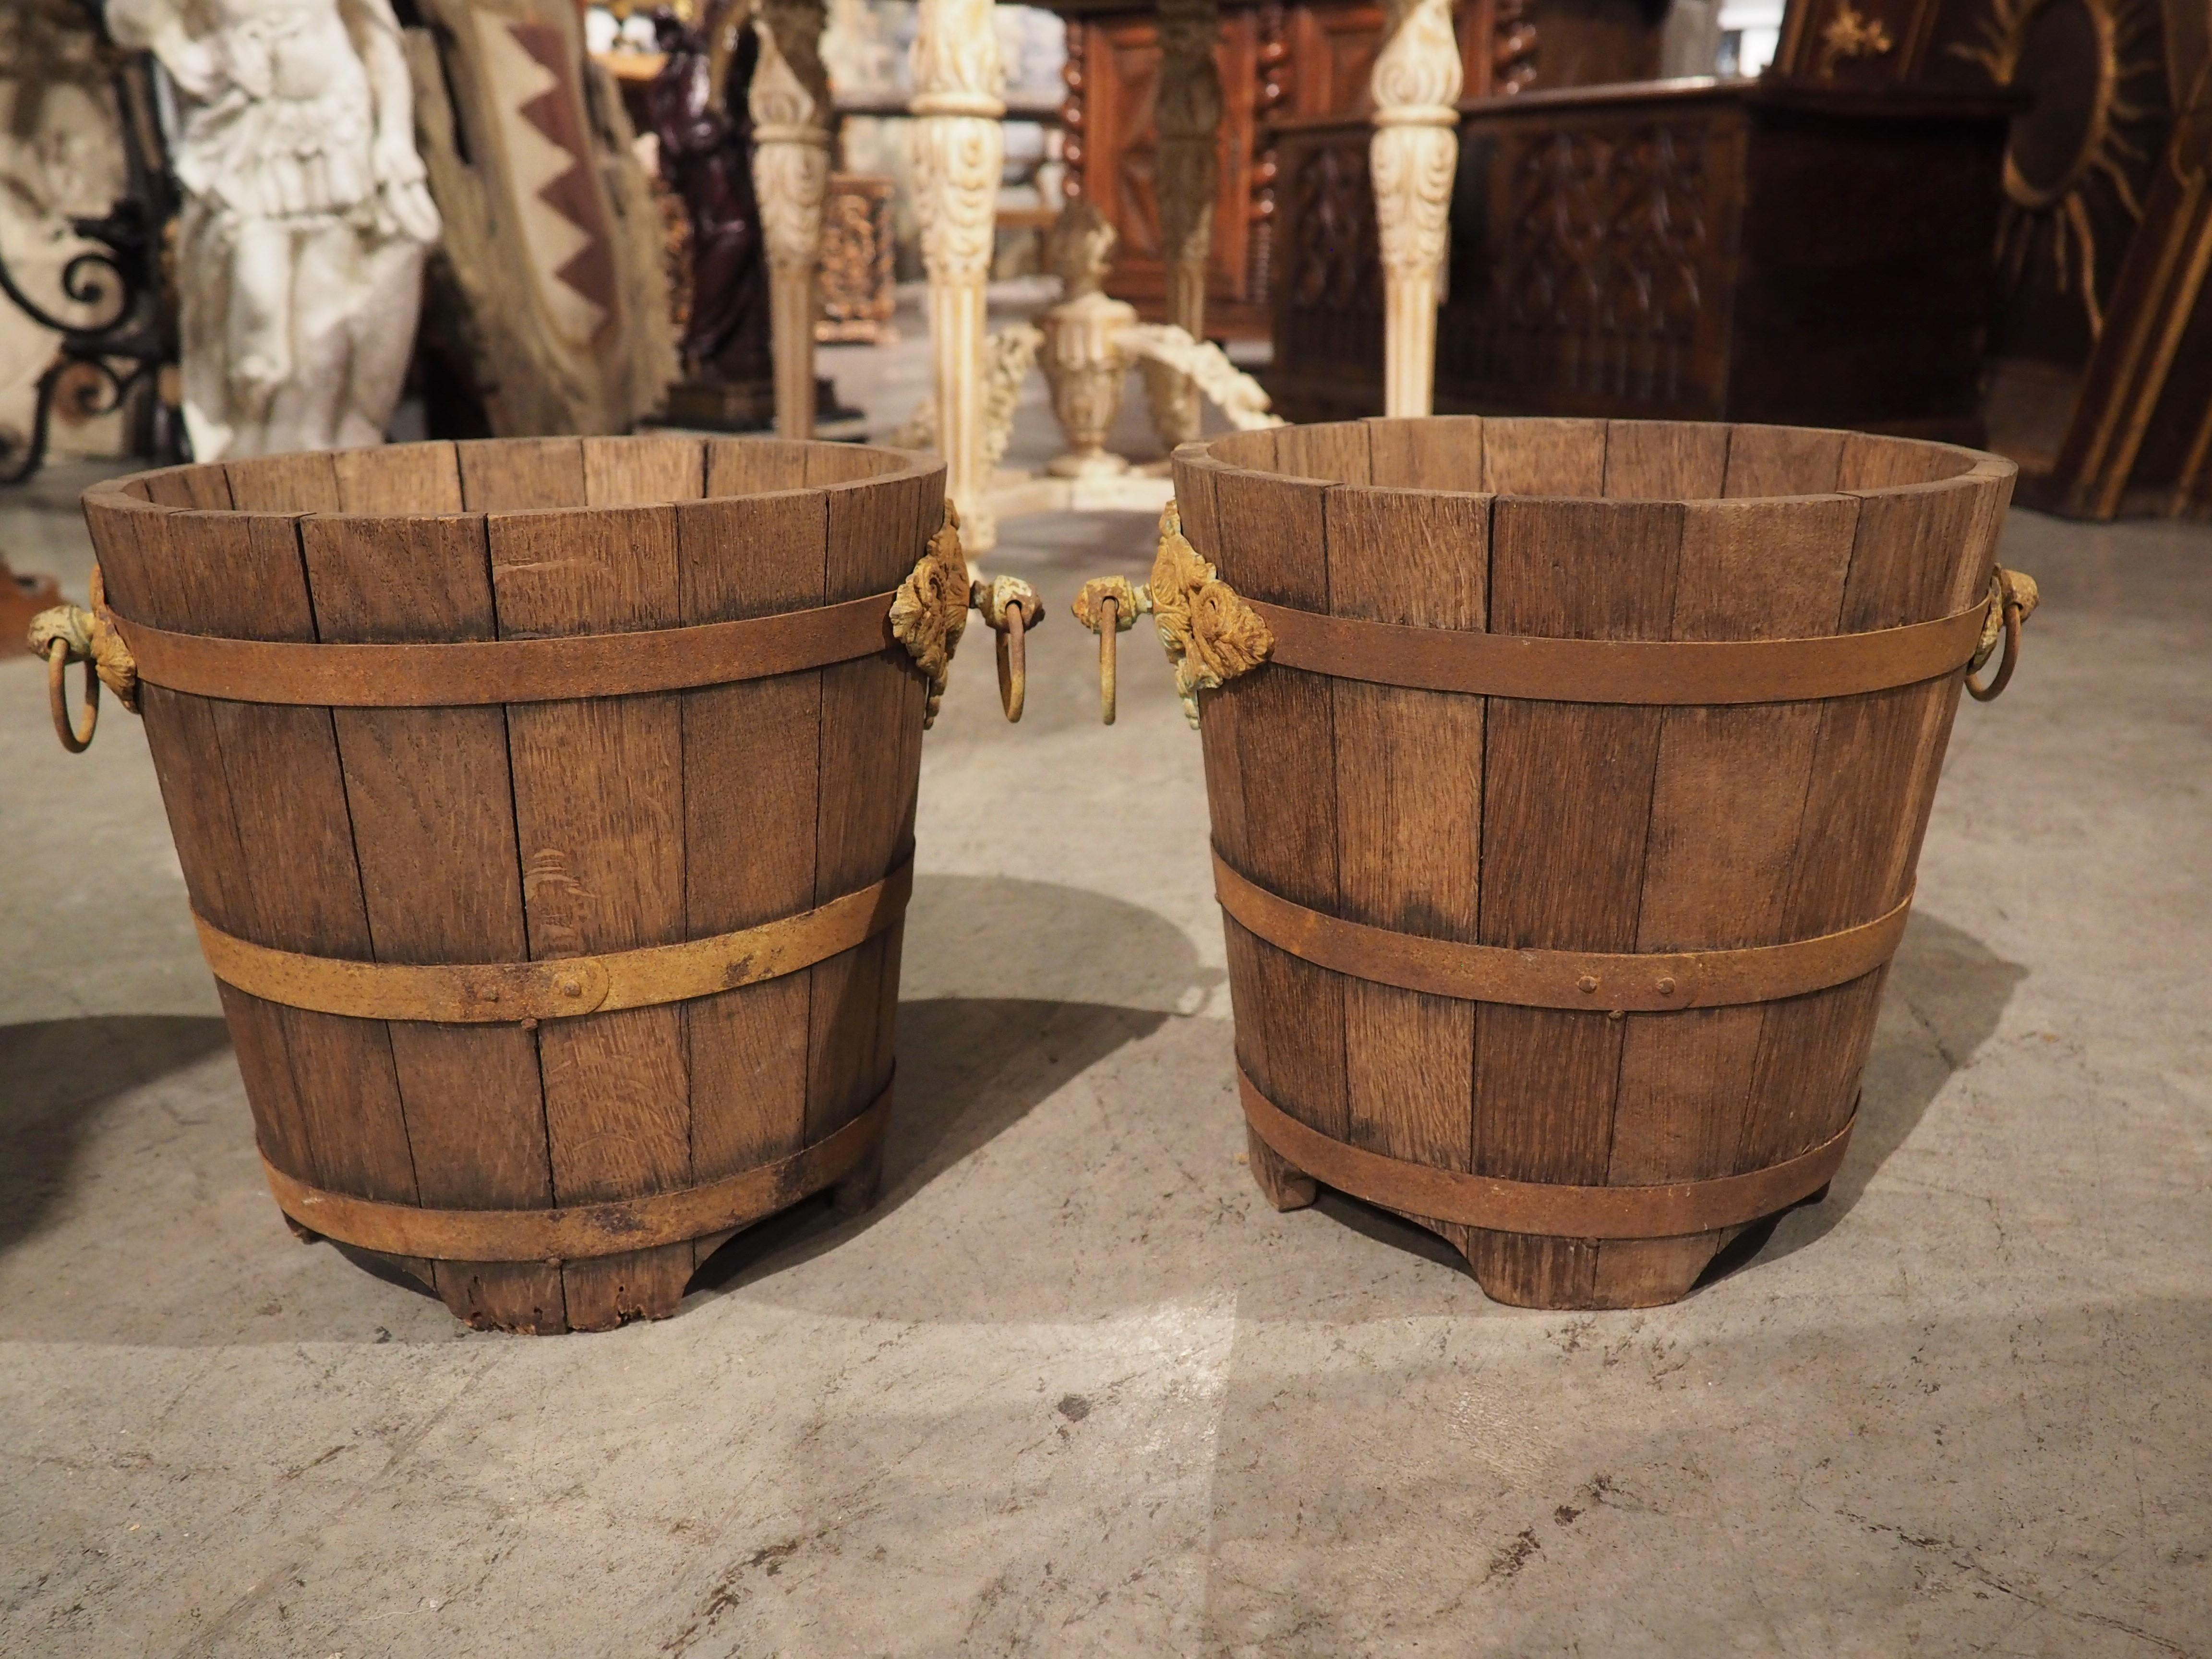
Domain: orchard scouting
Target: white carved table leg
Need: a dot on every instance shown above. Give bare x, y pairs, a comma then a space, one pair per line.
959, 152
1412, 159
790, 106
1187, 113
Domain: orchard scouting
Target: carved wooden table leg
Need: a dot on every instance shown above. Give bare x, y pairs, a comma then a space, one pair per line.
1412, 158
790, 104
958, 153
1188, 112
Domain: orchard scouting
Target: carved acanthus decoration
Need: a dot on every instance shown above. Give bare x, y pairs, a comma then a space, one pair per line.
958, 155
1411, 160
930, 610
1210, 636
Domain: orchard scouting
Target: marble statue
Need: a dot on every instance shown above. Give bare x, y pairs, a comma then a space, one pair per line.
306, 216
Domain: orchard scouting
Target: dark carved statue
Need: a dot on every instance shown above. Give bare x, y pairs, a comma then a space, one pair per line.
698, 108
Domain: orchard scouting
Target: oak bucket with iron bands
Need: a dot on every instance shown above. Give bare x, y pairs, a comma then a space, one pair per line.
1566, 830
546, 807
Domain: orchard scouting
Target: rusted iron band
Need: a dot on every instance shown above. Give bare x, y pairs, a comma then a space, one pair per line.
1552, 1210
459, 673
1628, 982
492, 993
1651, 671
578, 1232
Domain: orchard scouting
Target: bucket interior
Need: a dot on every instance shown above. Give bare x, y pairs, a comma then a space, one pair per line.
517, 475
1620, 460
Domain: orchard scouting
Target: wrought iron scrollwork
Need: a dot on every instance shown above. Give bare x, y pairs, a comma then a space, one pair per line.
99, 363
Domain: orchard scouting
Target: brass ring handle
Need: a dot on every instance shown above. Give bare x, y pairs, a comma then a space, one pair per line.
58, 659
1106, 605
2014, 597
1013, 678
69, 633
1988, 693
1107, 608
1010, 608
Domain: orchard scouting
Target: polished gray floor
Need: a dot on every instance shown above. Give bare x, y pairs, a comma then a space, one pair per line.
1073, 1388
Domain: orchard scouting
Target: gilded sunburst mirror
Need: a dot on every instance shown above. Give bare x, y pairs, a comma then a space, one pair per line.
2079, 155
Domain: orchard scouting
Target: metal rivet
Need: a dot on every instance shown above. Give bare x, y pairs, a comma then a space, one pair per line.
1586, 985
1616, 1013
529, 1024
572, 987
1666, 988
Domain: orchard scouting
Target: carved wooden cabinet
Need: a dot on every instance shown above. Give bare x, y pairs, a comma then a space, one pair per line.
1740, 251
1280, 65
2099, 380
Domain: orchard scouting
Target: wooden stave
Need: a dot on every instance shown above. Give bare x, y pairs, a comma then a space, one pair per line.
1835, 1025
843, 1048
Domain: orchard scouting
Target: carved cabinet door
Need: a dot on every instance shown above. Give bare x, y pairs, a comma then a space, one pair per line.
1121, 66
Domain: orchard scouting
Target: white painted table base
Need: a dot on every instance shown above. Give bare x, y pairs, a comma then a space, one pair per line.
1411, 160
958, 154
790, 104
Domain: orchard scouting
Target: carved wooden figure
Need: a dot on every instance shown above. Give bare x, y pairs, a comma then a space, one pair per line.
706, 155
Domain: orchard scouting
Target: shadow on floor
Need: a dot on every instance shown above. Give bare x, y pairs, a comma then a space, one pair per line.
969, 1068
1950, 988
1954, 990
56, 1076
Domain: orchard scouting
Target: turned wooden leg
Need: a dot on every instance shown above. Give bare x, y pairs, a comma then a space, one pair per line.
1412, 159
958, 153
1285, 1187
789, 104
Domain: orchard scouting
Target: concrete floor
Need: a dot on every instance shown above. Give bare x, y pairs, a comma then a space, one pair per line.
1073, 1388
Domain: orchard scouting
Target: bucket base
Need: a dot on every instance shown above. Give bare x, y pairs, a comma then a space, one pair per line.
1524, 1270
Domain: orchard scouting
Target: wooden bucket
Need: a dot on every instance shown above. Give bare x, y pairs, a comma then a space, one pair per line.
547, 807
1571, 951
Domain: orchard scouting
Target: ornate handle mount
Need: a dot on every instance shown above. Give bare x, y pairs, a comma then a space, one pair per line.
70, 632
2013, 599
930, 612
